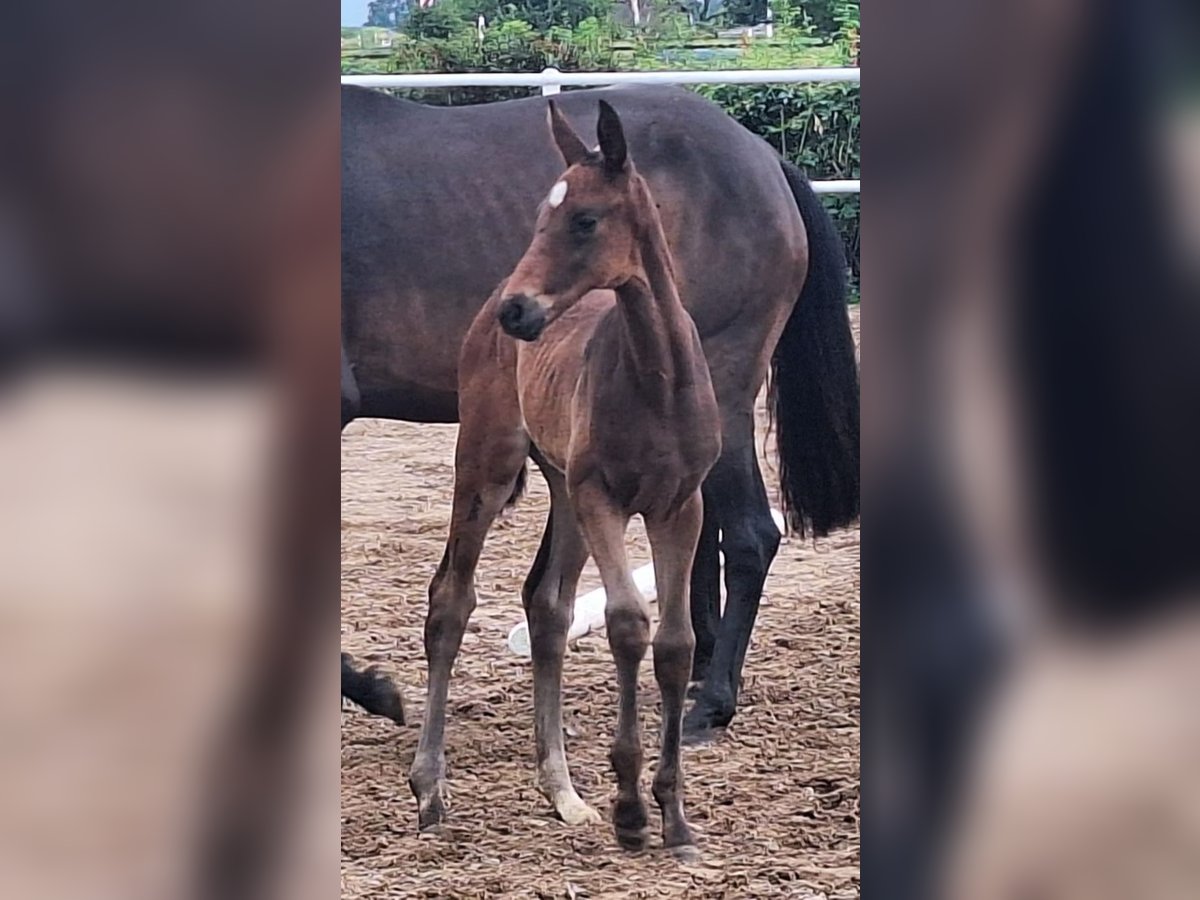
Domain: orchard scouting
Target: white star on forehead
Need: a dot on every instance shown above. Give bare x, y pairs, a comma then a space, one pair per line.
558, 193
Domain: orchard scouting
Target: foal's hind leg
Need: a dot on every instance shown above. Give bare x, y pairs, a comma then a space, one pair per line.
549, 597
627, 618
486, 470
673, 542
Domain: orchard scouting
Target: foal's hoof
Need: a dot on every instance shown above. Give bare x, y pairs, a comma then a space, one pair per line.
431, 809
631, 825
431, 815
573, 811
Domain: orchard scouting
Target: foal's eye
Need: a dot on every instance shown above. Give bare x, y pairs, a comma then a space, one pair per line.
583, 225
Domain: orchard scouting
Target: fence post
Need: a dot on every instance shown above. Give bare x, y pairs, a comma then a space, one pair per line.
551, 87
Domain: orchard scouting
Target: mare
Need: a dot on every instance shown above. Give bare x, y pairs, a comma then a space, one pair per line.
438, 205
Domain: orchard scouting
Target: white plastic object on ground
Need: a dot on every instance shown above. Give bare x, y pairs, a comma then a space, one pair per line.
589, 607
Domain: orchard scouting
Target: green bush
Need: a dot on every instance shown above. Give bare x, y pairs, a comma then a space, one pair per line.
540, 15
511, 46
814, 126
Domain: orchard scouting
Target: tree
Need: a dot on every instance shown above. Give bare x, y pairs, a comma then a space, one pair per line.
387, 13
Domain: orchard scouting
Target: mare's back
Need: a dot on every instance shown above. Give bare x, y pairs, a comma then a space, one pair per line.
449, 194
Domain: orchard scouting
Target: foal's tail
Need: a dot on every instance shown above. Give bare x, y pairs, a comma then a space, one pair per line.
813, 386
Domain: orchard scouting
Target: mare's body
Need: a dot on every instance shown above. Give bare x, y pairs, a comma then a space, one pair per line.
439, 204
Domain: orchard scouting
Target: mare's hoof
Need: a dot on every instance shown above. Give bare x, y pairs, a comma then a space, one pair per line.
701, 737
689, 854
389, 701
703, 722
631, 825
634, 841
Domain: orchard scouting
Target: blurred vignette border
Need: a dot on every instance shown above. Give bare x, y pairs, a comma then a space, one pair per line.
169, 214
1030, 394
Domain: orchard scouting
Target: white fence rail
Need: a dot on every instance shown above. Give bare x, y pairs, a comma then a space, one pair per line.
551, 81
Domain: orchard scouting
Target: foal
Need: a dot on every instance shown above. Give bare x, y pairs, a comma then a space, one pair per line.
608, 389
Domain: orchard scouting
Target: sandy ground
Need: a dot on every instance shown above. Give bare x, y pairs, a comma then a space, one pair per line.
774, 801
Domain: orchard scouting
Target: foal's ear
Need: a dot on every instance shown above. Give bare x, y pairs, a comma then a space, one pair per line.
570, 144
612, 139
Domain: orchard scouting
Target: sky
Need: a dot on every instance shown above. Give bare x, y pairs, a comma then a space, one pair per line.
354, 12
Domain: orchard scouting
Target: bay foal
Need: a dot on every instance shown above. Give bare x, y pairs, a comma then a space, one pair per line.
608, 389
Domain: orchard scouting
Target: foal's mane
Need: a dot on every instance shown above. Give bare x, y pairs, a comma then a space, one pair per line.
651, 229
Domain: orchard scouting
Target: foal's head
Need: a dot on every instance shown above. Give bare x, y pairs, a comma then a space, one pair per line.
588, 230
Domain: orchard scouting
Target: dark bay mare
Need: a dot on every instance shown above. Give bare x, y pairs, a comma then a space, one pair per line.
439, 204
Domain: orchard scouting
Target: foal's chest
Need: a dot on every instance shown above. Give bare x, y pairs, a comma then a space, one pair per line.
548, 373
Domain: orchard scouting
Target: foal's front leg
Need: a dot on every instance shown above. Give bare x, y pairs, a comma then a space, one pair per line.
627, 618
673, 542
486, 468
549, 597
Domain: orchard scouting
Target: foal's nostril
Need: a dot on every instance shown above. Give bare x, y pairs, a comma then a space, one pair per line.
512, 311
521, 317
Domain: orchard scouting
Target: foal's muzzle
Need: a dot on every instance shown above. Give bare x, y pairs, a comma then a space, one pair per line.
522, 317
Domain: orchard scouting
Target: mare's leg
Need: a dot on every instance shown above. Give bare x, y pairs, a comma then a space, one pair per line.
749, 540
487, 466
375, 693
706, 594
627, 618
673, 542
549, 597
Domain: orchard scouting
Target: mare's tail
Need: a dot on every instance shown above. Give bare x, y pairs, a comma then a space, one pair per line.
813, 387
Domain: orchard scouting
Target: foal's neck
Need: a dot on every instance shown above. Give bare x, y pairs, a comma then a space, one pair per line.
657, 328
